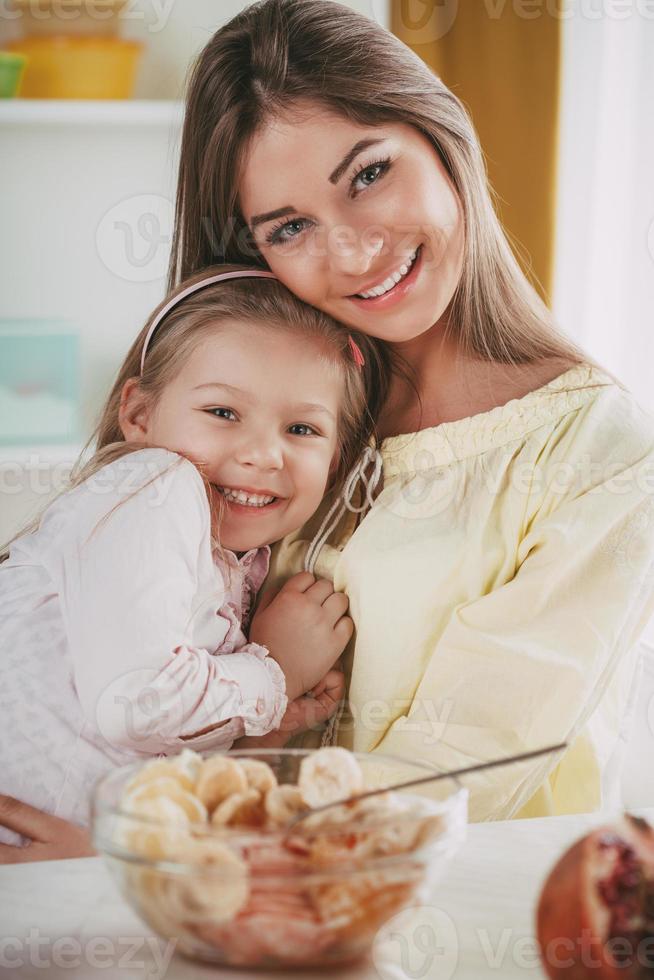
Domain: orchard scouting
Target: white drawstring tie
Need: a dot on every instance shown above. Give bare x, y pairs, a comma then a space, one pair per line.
344, 502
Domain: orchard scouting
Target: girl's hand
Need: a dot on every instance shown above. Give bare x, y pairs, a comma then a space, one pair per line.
51, 837
329, 692
305, 628
302, 714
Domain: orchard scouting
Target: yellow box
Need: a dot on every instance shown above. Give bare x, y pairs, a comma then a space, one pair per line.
60, 67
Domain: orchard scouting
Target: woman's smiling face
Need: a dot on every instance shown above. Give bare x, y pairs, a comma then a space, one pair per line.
360, 221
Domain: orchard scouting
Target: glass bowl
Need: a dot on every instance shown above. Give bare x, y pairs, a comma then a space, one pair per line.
271, 897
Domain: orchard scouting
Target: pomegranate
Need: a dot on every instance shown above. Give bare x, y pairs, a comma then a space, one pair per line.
595, 915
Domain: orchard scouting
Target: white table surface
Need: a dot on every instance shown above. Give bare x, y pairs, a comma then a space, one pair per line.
65, 919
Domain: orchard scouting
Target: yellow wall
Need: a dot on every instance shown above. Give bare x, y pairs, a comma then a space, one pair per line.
505, 67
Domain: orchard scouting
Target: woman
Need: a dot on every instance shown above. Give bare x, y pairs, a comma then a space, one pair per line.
503, 574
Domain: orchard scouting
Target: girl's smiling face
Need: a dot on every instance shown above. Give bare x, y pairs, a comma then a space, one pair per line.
360, 221
258, 408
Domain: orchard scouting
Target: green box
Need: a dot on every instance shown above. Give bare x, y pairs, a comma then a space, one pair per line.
11, 70
39, 382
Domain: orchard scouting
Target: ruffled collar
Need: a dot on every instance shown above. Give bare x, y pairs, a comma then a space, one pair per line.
253, 565
476, 434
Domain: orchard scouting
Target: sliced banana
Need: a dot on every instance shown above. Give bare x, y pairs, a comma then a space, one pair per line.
188, 764
374, 808
259, 775
178, 767
328, 775
240, 810
282, 803
161, 789
219, 778
333, 818
215, 893
157, 840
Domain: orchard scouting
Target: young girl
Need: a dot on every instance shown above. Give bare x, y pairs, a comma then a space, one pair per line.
123, 612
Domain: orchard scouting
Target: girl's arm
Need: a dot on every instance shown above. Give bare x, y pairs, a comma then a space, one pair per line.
302, 714
126, 568
52, 838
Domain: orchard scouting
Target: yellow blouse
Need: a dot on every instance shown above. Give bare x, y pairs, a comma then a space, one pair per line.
499, 585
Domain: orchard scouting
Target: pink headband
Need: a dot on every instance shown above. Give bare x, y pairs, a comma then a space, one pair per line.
209, 281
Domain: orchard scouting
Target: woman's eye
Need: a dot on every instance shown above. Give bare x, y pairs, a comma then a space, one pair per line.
285, 232
366, 176
301, 425
369, 174
214, 412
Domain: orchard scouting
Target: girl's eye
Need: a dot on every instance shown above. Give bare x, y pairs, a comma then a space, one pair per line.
214, 411
301, 425
309, 430
285, 232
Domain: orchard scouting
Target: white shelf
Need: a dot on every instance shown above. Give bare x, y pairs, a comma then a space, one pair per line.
90, 112
33, 456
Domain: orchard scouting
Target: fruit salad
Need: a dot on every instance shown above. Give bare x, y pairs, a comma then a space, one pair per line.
213, 858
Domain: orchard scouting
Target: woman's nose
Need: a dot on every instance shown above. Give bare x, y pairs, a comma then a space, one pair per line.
352, 252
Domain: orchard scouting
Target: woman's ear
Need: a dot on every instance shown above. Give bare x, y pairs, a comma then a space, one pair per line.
134, 413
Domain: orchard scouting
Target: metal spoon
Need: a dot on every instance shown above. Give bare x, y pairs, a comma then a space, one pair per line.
350, 800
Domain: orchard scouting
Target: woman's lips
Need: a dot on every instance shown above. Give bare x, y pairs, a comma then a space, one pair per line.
397, 293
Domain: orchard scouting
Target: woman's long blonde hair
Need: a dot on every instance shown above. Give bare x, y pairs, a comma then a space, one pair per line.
278, 52
259, 301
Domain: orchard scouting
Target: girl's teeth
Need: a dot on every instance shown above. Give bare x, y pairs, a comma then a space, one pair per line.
252, 500
391, 281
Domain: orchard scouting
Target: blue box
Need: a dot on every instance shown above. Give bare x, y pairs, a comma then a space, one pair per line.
39, 382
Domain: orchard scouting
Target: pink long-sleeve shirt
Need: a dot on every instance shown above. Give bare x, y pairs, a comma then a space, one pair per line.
121, 635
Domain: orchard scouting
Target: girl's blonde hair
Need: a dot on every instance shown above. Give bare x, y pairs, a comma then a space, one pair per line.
263, 302
279, 52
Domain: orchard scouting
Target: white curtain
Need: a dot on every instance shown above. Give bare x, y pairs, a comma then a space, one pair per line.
604, 261
604, 267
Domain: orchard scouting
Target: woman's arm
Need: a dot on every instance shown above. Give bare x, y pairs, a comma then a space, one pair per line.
51, 839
